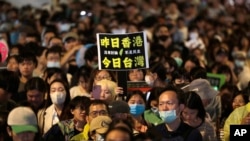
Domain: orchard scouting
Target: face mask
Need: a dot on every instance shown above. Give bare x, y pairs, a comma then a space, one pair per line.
58, 97
99, 137
193, 35
149, 81
154, 110
239, 64
178, 60
168, 116
137, 109
52, 64
163, 38
94, 66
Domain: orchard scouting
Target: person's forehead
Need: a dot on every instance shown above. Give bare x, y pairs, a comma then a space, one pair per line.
56, 40
49, 34
136, 97
70, 39
27, 61
102, 73
56, 84
166, 95
96, 107
189, 110
53, 54
33, 92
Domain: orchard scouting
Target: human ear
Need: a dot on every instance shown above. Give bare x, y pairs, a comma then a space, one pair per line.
9, 131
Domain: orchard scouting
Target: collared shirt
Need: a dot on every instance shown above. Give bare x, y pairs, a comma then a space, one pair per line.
55, 118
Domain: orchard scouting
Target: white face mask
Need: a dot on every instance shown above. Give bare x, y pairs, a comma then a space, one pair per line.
239, 63
99, 137
193, 35
58, 97
53, 64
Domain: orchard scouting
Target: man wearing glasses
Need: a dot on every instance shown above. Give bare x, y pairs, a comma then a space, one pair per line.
96, 108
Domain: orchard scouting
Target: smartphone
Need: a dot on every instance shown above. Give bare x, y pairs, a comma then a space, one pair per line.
96, 92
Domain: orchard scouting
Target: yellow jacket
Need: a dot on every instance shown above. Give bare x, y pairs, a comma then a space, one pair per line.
235, 118
82, 136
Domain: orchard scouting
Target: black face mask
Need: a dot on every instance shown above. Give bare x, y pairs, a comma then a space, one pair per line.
163, 37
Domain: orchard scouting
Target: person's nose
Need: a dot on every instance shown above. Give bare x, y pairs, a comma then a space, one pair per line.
165, 107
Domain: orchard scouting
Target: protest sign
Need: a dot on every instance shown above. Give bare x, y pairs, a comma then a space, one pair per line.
122, 51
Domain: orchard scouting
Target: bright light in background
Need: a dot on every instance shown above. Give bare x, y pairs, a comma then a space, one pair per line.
83, 13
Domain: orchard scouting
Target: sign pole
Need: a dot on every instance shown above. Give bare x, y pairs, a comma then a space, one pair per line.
122, 82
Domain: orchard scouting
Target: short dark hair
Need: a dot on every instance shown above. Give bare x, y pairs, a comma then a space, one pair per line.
81, 101
179, 73
36, 83
90, 53
160, 70
9, 81
16, 57
136, 92
122, 129
198, 72
27, 56
49, 72
178, 91
97, 102
54, 49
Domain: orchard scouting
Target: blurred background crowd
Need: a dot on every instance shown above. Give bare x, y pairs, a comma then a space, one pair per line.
49, 62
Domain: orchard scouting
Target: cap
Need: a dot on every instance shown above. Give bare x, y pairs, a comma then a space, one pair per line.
22, 119
118, 106
70, 35
203, 88
100, 124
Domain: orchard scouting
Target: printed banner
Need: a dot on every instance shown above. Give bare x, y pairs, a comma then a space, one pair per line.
122, 51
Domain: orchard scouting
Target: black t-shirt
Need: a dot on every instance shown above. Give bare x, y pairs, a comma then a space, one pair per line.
183, 133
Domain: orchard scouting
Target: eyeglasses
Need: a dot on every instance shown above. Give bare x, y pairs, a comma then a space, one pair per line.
100, 113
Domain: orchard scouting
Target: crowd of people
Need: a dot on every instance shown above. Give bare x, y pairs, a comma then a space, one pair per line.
52, 88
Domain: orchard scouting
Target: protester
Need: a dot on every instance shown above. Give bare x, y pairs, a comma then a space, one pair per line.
24, 127
239, 116
210, 98
79, 82
27, 63
215, 32
35, 90
12, 63
55, 107
9, 81
76, 120
137, 104
171, 104
118, 133
194, 114
96, 108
